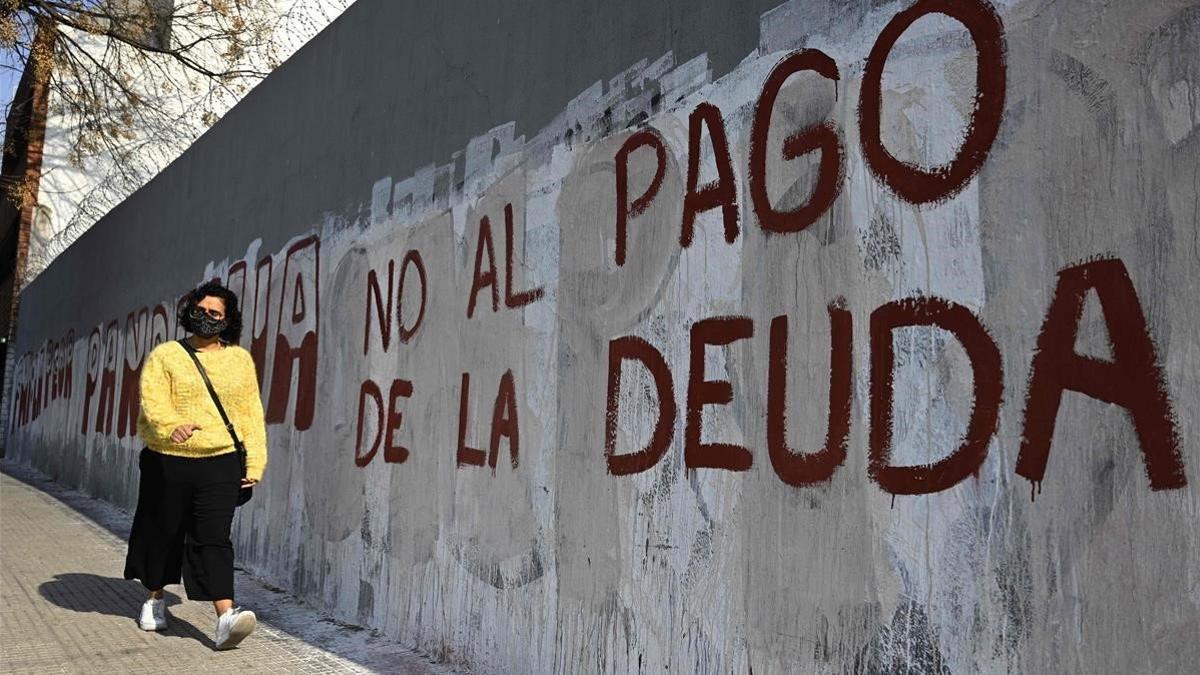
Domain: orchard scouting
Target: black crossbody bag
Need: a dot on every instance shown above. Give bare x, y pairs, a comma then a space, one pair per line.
245, 493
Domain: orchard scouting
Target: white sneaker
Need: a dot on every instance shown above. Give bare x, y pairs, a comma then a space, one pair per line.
154, 615
233, 626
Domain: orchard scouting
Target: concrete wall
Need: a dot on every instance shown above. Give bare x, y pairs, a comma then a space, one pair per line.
917, 392
75, 192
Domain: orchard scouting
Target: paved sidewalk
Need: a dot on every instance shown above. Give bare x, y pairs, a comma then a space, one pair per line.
65, 608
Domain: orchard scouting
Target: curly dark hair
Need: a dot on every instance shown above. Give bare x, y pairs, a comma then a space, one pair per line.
233, 314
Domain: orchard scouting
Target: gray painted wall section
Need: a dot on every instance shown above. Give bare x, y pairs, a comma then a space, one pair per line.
401, 128
387, 88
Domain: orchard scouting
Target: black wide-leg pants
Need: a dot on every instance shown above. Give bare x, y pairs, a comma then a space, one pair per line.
184, 515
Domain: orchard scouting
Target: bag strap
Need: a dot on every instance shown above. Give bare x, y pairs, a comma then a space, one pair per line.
237, 443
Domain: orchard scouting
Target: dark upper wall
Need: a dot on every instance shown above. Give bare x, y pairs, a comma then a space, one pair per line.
307, 139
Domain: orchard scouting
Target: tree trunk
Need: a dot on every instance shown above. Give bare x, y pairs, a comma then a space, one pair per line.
22, 166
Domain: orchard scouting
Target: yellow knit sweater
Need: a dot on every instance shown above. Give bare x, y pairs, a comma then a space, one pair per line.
173, 393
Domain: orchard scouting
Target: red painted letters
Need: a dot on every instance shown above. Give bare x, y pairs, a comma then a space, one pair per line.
1133, 379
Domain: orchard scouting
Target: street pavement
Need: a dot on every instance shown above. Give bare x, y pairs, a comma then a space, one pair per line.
64, 607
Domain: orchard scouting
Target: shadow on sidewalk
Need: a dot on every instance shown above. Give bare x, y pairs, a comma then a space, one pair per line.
283, 612
94, 594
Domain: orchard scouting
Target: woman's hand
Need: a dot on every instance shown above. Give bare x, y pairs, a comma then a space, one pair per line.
183, 432
249, 482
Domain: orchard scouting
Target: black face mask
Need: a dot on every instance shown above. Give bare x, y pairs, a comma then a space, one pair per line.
205, 326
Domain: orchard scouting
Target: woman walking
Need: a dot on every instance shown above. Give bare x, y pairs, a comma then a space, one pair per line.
202, 422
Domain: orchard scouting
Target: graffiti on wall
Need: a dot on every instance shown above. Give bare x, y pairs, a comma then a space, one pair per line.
663, 345
1133, 378
109, 361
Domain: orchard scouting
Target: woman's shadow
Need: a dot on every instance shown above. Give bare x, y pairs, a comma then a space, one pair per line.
95, 594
